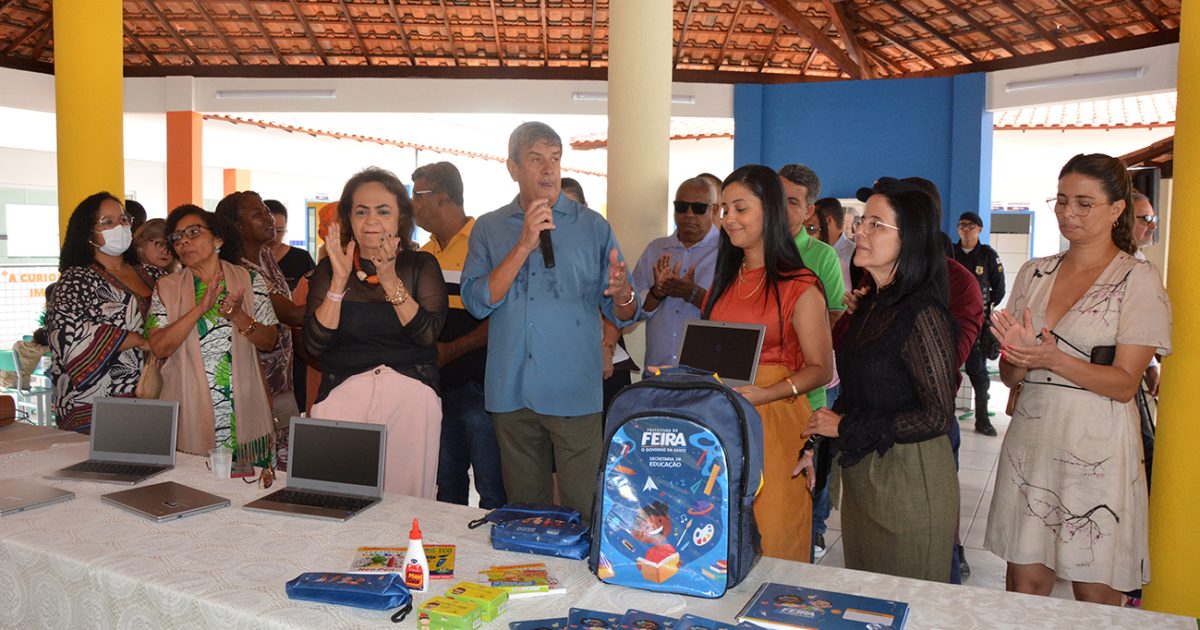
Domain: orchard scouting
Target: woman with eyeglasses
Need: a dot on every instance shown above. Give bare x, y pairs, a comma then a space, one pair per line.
898, 366
376, 306
96, 316
150, 243
760, 279
210, 321
1079, 330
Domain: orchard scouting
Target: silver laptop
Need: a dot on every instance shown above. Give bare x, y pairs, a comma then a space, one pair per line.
730, 350
335, 470
132, 440
18, 495
165, 501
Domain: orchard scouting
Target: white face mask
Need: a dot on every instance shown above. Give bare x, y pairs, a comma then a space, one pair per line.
117, 239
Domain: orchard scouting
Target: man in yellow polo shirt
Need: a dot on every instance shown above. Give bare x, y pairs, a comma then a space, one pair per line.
468, 439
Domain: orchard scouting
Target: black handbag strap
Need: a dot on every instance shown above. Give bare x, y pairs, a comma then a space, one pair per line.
402, 613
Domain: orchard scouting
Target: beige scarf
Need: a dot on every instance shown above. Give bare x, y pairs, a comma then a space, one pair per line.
184, 378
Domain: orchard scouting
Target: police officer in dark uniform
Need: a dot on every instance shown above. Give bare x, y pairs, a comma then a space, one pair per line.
984, 262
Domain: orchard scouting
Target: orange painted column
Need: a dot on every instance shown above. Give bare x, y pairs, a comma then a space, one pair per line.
185, 175
236, 179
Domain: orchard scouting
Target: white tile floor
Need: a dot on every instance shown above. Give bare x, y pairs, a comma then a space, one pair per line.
978, 457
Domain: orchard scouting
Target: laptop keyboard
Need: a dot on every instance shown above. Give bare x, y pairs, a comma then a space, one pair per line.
319, 500
116, 468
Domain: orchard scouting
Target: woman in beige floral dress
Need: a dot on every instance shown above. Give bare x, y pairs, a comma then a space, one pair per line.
1070, 497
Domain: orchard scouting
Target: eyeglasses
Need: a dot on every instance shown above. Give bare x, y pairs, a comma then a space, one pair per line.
190, 232
418, 193
868, 225
967, 225
1148, 219
697, 207
106, 222
1082, 207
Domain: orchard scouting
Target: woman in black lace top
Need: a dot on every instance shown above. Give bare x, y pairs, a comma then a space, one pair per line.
897, 363
375, 309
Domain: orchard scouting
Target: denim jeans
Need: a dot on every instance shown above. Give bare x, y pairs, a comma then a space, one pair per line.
468, 440
821, 502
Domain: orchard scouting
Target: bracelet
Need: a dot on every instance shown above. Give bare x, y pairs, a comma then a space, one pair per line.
632, 295
250, 329
695, 292
399, 297
335, 297
795, 390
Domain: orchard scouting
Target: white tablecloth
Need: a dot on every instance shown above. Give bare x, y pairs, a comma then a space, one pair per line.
84, 564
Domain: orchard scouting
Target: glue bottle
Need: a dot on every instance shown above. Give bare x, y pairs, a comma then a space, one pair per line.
416, 566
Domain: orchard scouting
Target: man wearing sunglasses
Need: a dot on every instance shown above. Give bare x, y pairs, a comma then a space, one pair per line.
1145, 223
674, 273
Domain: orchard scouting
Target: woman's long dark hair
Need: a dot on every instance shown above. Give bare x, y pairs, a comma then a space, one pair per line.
780, 255
1114, 178
77, 249
393, 184
921, 264
231, 249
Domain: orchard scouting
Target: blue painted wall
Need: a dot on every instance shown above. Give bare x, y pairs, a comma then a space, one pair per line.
852, 132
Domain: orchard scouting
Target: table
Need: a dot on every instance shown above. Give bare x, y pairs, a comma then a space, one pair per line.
85, 564
20, 436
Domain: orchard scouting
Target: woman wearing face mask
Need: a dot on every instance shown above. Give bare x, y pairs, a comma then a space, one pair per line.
96, 317
375, 310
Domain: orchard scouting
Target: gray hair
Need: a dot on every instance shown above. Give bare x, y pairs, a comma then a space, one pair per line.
442, 177
528, 134
1140, 196
801, 175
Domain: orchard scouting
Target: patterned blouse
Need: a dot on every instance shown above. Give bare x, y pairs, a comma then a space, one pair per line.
277, 362
89, 317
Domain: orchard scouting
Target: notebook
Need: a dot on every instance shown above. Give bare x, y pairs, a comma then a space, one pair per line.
132, 440
730, 350
165, 501
335, 470
18, 495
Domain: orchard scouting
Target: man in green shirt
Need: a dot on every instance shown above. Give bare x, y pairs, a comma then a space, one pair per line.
801, 187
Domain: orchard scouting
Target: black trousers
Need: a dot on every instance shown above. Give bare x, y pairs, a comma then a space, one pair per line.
976, 368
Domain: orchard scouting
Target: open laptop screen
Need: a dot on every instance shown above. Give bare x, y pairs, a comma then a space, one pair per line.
730, 350
133, 427
335, 453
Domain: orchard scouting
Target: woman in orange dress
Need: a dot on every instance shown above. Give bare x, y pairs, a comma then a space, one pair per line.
760, 279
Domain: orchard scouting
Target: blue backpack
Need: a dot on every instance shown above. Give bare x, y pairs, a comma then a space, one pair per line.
674, 508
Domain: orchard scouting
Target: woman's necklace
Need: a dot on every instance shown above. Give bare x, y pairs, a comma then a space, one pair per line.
362, 275
757, 285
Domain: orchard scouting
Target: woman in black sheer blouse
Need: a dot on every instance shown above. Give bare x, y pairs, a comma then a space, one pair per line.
897, 363
375, 309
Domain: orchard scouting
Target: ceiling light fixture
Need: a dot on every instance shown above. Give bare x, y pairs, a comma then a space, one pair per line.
255, 94
1076, 79
677, 99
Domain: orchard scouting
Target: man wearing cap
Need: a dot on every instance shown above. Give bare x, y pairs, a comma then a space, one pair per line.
984, 263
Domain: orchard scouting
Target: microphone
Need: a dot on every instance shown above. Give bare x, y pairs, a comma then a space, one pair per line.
547, 248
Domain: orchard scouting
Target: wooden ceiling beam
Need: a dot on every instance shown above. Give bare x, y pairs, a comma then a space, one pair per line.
1029, 22
354, 29
183, 46
4, 4
265, 33
412, 58
812, 52
881, 60
687, 19
496, 32
901, 44
1081, 14
449, 33
981, 28
770, 47
220, 35
796, 21
140, 46
1149, 14
42, 41
545, 34
37, 26
312, 37
737, 13
592, 36
921, 24
837, 13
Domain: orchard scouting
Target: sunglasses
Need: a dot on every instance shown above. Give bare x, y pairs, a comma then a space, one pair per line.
697, 207
1148, 219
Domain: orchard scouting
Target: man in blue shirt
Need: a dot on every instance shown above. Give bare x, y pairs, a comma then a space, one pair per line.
675, 272
543, 379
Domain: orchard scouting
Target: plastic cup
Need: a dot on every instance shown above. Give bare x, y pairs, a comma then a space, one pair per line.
220, 459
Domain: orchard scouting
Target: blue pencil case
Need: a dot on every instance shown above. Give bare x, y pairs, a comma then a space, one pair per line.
518, 511
376, 592
543, 535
